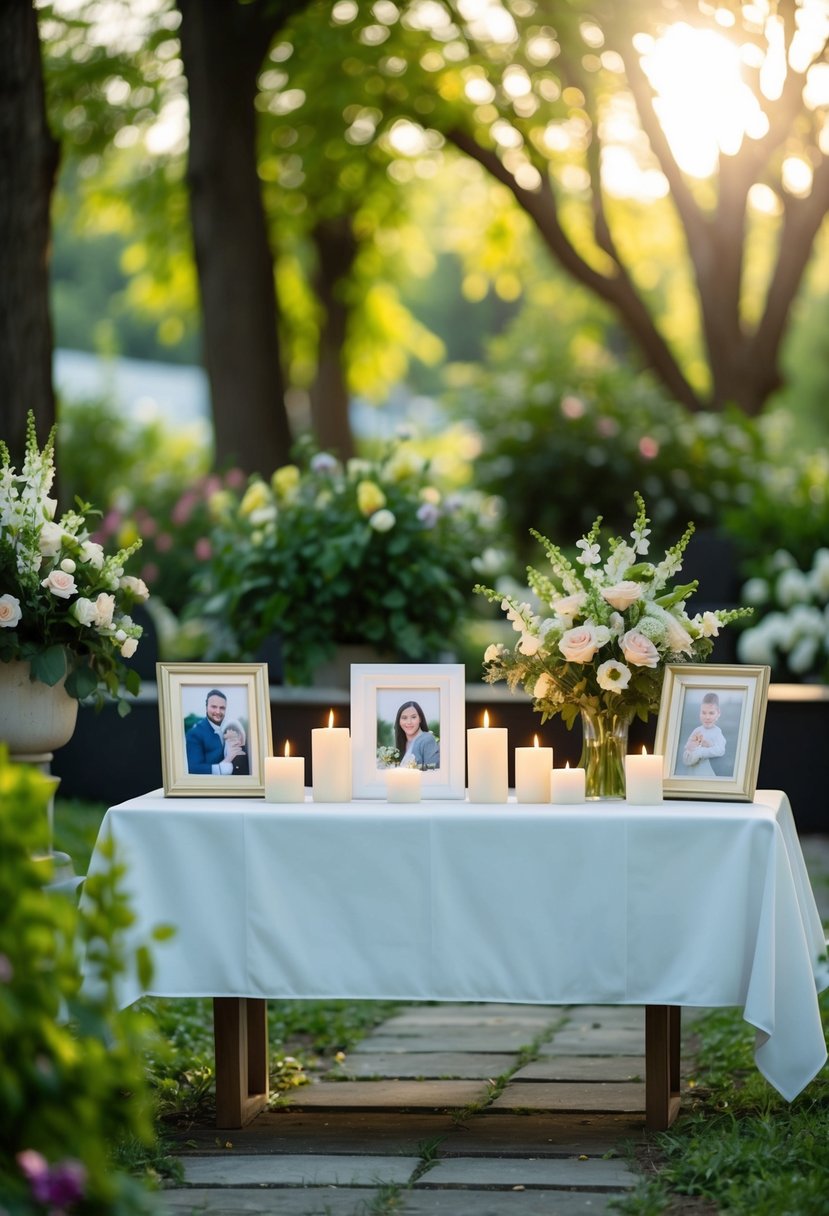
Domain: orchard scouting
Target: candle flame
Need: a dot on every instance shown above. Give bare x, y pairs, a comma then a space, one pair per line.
644, 750
535, 737
287, 748
486, 717
567, 765
330, 718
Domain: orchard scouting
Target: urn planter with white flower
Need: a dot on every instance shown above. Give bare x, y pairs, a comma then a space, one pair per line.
597, 642
65, 628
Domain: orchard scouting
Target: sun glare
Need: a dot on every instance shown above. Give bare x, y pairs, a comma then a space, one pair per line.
703, 104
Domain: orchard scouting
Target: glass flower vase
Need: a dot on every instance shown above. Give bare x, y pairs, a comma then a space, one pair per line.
604, 747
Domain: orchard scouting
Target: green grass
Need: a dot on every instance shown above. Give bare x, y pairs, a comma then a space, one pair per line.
739, 1145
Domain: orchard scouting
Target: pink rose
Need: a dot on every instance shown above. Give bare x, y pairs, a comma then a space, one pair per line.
580, 644
10, 612
60, 584
621, 595
639, 650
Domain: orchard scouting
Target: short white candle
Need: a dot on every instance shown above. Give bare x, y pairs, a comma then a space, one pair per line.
486, 759
285, 777
403, 784
331, 762
568, 785
533, 773
643, 778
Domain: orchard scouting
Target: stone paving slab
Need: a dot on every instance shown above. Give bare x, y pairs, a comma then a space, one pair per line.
266, 1201
405, 1094
472, 1015
584, 1095
496, 1041
298, 1169
583, 1040
325, 1131
537, 1134
519, 1202
618, 1016
583, 1068
562, 1172
430, 1064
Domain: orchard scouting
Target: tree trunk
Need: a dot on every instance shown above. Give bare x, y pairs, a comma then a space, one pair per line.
28, 163
336, 249
223, 45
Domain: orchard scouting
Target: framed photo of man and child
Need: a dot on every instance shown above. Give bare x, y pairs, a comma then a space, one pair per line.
710, 730
215, 728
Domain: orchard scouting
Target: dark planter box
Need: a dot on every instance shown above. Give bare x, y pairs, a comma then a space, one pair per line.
110, 759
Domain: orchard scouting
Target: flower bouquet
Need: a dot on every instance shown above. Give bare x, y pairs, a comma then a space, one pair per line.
64, 605
599, 645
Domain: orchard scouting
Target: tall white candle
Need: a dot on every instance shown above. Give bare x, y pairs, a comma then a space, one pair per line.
486, 762
533, 773
331, 762
643, 778
285, 777
568, 785
403, 784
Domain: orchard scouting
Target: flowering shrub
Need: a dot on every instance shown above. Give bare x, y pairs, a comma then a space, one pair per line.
792, 633
372, 552
64, 604
611, 629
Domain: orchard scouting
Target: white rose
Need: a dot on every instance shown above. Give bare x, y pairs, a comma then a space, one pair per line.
50, 539
136, 586
84, 611
622, 595
10, 611
382, 520
60, 584
529, 644
570, 605
92, 554
580, 644
129, 647
639, 650
104, 609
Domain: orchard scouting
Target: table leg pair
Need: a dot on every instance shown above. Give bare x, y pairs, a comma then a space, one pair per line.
240, 1030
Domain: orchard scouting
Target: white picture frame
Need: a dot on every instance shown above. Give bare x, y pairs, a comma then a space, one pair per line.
184, 691
379, 693
692, 693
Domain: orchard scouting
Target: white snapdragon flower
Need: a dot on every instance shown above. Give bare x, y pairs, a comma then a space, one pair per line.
92, 554
494, 652
136, 586
708, 624
589, 555
569, 606
10, 611
50, 539
529, 644
613, 676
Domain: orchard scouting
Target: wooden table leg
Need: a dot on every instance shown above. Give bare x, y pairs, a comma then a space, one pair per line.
662, 1033
240, 1037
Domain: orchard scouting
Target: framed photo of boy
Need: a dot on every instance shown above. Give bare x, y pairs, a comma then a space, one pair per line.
410, 715
215, 728
710, 730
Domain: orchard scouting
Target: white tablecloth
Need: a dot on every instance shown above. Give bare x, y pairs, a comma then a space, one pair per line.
686, 903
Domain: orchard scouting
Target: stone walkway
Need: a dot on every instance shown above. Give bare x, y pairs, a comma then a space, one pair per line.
449, 1110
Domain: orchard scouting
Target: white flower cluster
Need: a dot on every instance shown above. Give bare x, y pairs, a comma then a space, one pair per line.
605, 631
794, 628
57, 586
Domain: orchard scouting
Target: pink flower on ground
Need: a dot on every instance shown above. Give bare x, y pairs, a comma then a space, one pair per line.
203, 549
164, 542
648, 447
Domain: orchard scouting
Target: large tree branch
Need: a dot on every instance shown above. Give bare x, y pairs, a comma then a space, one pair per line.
617, 289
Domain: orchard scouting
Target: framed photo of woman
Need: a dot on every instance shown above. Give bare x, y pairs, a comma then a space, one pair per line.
710, 730
215, 728
408, 715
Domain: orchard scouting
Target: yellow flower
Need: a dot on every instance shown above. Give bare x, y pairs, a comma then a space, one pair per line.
256, 495
370, 497
285, 481
430, 494
402, 464
220, 504
127, 534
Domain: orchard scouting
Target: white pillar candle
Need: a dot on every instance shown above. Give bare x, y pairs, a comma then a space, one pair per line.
568, 785
486, 760
643, 778
285, 777
533, 773
403, 784
331, 762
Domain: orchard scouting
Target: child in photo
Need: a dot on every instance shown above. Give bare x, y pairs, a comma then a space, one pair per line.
705, 742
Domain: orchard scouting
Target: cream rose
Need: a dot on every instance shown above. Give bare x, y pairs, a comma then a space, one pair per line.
136, 586
104, 610
639, 650
84, 611
580, 644
10, 611
60, 584
129, 647
622, 595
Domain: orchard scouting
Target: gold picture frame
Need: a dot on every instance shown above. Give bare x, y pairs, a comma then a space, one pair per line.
710, 730
205, 752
